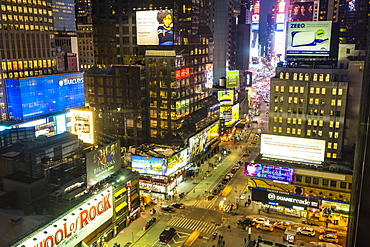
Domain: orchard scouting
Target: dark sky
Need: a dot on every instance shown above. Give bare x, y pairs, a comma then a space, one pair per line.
266, 6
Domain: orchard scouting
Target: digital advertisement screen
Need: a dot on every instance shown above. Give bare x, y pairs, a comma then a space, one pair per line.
235, 113
82, 125
208, 73
154, 27
149, 165
103, 162
226, 97
232, 78
177, 161
293, 148
200, 142
269, 172
302, 11
37, 96
309, 38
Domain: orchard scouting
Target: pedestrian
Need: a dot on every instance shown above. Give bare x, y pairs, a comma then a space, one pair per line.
151, 212
229, 227
245, 240
154, 211
237, 205
245, 203
118, 245
223, 243
115, 245
222, 237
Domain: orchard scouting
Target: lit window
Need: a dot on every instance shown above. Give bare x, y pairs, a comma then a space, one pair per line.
296, 89
321, 123
331, 124
288, 120
314, 122
299, 131
328, 155
288, 130
307, 77
287, 76
294, 121
312, 90
281, 109
340, 91
332, 102
337, 125
314, 77
327, 77
290, 100
299, 121
334, 156
291, 89
317, 101
274, 129
329, 144
276, 88
334, 91
280, 129
280, 119
282, 88
293, 131
335, 145
163, 94
301, 89
295, 100
309, 122
295, 76
281, 99
308, 132
310, 101
339, 102
336, 134
301, 76
319, 133
323, 90
281, 76
321, 77
318, 90
275, 119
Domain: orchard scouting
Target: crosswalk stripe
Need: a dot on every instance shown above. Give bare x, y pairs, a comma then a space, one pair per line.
191, 224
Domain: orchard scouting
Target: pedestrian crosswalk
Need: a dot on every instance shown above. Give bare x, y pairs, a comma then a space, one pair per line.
179, 221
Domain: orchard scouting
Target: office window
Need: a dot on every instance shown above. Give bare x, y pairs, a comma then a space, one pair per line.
333, 183
340, 91
336, 134
308, 180
318, 90
317, 101
280, 129
310, 101
331, 124
288, 120
322, 112
287, 76
275, 119
295, 100
293, 131
282, 88
315, 181
335, 145
274, 129
290, 100
337, 125
329, 144
276, 108
334, 91
276, 99
300, 110
328, 155
325, 182
327, 77
298, 178
321, 77
308, 132
332, 102
291, 89
343, 185
281, 109
301, 89
315, 122
299, 131
295, 76
301, 76
294, 121
307, 77
323, 90
280, 119
309, 122
296, 89
319, 133
339, 102
288, 130
312, 90
314, 77
276, 88
299, 121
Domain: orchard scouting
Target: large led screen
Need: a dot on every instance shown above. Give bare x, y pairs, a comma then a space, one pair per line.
82, 125
37, 96
309, 38
149, 165
103, 162
177, 161
302, 11
293, 148
270, 172
226, 97
200, 142
154, 27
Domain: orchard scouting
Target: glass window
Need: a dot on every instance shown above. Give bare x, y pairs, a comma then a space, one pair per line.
312, 90
328, 155
299, 121
280, 129
274, 129
309, 122
287, 76
281, 76
275, 119
319, 133
323, 90
318, 90
308, 132
343, 185
325, 182
295, 100
288, 130
301, 76
333, 183
334, 91
315, 122
296, 89
336, 134
290, 100
335, 145
349, 185
339, 102
293, 131
291, 89
321, 77
282, 88
288, 120
294, 121
280, 119
298, 178
340, 91
315, 181
310, 101
337, 125
308, 180
295, 76
331, 124
299, 131
327, 77
314, 77
301, 89
332, 103
307, 77
317, 101
276, 88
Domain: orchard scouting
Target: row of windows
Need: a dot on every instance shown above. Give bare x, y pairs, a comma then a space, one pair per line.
35, 2
304, 76
25, 9
311, 101
297, 131
324, 182
20, 65
25, 73
313, 90
312, 122
25, 27
299, 110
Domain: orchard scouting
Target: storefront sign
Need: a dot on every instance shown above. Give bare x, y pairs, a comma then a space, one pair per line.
75, 225
280, 198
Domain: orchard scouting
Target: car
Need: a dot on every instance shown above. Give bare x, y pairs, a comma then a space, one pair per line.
332, 238
261, 220
220, 186
230, 174
234, 170
245, 222
168, 208
308, 231
265, 227
283, 225
262, 122
178, 205
328, 231
226, 179
215, 191
167, 235
149, 223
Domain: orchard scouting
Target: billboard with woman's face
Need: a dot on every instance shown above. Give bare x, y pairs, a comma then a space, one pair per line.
302, 11
154, 27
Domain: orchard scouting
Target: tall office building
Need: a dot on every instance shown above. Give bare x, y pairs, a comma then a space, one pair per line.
177, 99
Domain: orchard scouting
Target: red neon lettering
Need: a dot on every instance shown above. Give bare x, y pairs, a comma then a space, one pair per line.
100, 208
106, 203
92, 213
50, 240
66, 234
60, 238
83, 216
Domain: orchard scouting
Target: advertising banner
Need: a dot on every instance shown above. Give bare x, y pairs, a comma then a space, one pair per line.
82, 125
282, 198
302, 11
232, 78
103, 162
75, 225
269, 172
201, 141
149, 165
309, 38
293, 148
154, 27
226, 97
235, 113
177, 161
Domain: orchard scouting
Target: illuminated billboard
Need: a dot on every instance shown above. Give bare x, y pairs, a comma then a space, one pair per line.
269, 172
70, 228
178, 161
235, 113
201, 141
103, 162
149, 165
309, 38
82, 125
154, 27
37, 96
208, 73
226, 113
226, 97
302, 11
232, 78
293, 148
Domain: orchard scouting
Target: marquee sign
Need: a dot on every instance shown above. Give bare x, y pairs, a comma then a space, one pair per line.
75, 225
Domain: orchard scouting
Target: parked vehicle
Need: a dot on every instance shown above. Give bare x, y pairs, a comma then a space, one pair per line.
149, 223
245, 222
265, 227
261, 220
167, 235
331, 238
308, 231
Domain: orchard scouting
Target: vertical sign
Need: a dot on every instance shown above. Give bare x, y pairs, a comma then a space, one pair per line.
232, 78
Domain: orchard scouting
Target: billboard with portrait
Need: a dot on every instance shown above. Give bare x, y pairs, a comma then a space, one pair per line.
302, 11
309, 38
154, 27
293, 148
269, 172
226, 97
177, 161
149, 165
82, 125
201, 141
36, 96
103, 162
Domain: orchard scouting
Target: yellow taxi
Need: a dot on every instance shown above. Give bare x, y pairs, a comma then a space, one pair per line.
283, 225
265, 227
331, 238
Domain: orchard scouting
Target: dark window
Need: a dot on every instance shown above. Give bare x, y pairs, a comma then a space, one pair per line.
333, 183
308, 180
349, 185
315, 180
325, 182
298, 178
343, 185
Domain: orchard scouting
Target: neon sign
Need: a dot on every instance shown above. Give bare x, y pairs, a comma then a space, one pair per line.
269, 172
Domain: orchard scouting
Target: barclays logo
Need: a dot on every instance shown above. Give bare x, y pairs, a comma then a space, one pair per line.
271, 196
71, 81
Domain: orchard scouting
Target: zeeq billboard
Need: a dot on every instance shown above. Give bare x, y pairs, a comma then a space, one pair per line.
309, 38
154, 27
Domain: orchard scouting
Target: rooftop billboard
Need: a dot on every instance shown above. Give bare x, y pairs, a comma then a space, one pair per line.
293, 148
149, 165
309, 38
82, 125
269, 172
37, 96
232, 78
302, 11
226, 97
103, 162
154, 27
200, 141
